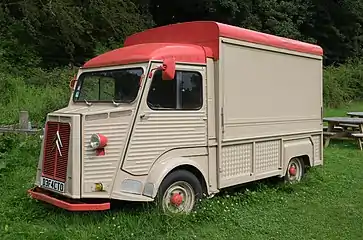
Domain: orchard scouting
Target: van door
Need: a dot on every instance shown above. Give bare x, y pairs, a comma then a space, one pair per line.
172, 115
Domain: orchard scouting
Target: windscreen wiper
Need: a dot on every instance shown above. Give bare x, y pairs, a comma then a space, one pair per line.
115, 103
88, 104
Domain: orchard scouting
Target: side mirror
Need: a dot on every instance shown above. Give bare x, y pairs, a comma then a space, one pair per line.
73, 82
168, 69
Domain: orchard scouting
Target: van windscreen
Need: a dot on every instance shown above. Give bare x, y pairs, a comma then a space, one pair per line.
120, 85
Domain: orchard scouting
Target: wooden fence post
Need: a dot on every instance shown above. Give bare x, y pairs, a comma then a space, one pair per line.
23, 119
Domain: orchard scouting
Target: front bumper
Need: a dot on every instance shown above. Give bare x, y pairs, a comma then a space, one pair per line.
67, 203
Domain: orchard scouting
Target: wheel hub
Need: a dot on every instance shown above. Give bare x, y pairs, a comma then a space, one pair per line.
179, 197
292, 171
176, 199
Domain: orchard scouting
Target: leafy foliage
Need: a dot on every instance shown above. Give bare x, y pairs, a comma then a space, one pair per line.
338, 27
37, 99
52, 33
65, 31
335, 25
343, 84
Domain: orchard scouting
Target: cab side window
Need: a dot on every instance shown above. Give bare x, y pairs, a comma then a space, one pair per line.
184, 92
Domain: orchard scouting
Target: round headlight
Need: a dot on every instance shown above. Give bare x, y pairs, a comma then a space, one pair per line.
95, 141
98, 141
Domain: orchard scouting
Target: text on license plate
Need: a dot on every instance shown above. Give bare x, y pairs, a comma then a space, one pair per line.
52, 184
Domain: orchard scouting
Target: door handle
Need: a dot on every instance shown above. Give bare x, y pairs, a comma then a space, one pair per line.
143, 116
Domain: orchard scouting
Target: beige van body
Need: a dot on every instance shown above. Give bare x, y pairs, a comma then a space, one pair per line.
259, 110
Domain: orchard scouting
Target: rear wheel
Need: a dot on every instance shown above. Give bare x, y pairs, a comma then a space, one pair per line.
295, 170
179, 192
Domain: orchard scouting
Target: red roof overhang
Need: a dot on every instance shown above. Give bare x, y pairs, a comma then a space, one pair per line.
151, 51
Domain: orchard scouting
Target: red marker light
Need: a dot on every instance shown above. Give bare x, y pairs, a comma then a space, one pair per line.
100, 152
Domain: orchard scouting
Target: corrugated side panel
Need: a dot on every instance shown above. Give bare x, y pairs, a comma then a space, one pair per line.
160, 132
103, 168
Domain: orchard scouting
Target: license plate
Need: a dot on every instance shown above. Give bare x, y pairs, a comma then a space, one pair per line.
52, 184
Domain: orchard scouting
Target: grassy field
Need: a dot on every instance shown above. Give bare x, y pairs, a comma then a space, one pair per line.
352, 107
328, 204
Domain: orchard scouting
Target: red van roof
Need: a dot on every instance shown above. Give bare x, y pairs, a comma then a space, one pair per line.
190, 42
207, 33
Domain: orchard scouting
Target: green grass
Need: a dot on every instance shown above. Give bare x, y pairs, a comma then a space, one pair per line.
335, 112
328, 204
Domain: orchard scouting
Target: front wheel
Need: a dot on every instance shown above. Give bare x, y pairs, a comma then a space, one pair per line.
295, 170
179, 192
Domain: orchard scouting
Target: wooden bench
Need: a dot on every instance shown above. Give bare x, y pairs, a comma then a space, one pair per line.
327, 136
346, 125
336, 128
359, 137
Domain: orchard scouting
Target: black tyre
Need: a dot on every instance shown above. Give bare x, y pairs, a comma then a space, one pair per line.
179, 192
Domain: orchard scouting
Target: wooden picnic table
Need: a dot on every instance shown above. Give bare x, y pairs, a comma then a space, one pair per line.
355, 114
347, 120
344, 128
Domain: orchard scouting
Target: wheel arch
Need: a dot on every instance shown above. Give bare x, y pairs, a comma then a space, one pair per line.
306, 159
162, 169
193, 170
298, 148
